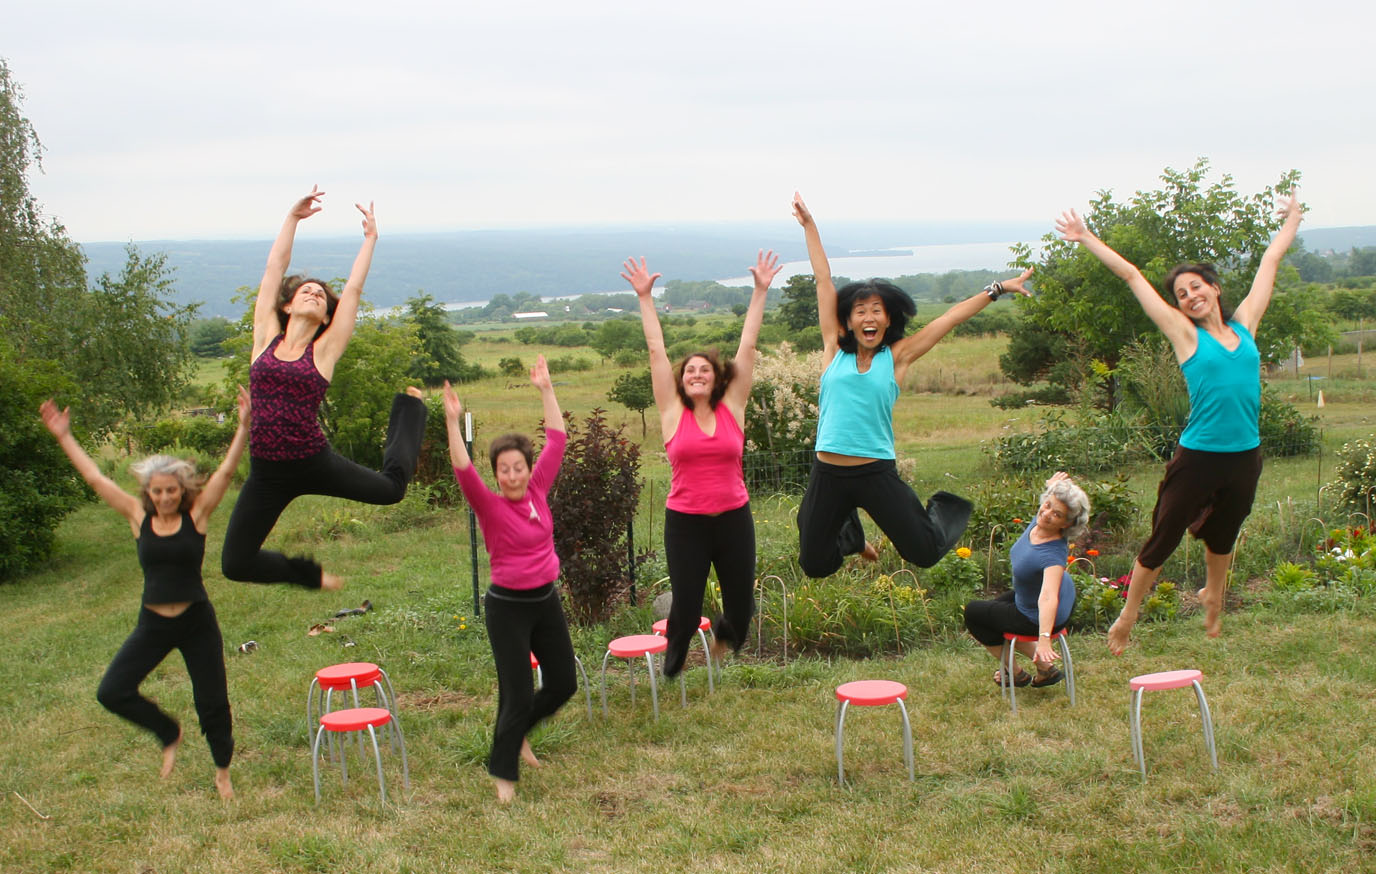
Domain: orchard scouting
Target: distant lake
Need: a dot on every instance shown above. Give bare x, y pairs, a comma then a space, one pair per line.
905, 261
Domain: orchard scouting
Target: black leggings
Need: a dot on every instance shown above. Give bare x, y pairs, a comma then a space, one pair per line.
197, 634
829, 527
987, 621
521, 622
693, 544
271, 485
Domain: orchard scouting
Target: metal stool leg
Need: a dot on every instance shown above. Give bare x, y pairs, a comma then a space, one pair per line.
604, 683
315, 762
707, 654
840, 734
1135, 727
310, 708
587, 690
1008, 675
1208, 724
654, 691
1069, 669
907, 739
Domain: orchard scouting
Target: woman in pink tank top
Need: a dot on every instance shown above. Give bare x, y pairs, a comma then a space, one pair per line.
707, 521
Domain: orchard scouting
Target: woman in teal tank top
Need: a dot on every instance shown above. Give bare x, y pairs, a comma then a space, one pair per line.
864, 359
1211, 481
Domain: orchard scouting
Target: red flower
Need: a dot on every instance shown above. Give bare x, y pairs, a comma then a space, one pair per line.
1091, 552
1017, 521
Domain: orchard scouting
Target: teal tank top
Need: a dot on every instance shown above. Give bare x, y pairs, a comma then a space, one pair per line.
854, 409
1225, 394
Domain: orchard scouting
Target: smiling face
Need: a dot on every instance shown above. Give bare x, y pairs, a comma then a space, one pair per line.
868, 321
1053, 516
165, 491
513, 474
1195, 297
310, 298
698, 379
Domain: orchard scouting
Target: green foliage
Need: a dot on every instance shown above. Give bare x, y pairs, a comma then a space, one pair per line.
1290, 577
511, 366
634, 391
438, 356
1354, 481
781, 420
203, 434
561, 334
569, 364
1293, 321
799, 309
358, 405
592, 500
1099, 600
628, 358
208, 336
616, 335
1285, 431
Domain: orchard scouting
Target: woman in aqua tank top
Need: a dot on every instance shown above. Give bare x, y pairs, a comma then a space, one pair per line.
1211, 481
168, 518
865, 357
707, 520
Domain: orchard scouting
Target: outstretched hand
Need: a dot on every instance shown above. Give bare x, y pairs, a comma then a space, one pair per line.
244, 405
308, 205
1017, 285
1289, 205
639, 276
369, 220
539, 374
800, 210
1056, 477
766, 268
59, 422
453, 407
1072, 228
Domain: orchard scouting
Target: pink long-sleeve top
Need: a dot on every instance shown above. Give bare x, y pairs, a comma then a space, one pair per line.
519, 534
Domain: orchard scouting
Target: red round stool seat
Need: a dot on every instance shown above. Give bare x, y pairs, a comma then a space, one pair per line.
633, 647
359, 719
346, 677
661, 628
1169, 680
872, 693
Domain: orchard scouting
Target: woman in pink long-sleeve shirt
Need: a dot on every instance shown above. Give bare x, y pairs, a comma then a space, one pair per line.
522, 607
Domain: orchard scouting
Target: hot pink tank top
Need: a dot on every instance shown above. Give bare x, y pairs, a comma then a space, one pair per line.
707, 472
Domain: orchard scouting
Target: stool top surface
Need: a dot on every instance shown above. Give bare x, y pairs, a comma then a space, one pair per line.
1165, 680
347, 671
637, 645
1031, 638
534, 662
355, 718
871, 692
662, 626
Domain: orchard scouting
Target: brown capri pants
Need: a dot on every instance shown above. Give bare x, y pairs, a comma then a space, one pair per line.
1210, 493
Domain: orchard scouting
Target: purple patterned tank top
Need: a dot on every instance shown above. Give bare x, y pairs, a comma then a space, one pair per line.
286, 399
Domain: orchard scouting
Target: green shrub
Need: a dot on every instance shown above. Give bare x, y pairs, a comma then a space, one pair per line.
201, 433
1354, 482
1284, 430
781, 421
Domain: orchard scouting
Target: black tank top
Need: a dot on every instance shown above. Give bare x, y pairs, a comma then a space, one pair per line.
172, 564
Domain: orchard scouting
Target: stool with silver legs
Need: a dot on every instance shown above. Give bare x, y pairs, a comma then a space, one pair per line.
1169, 680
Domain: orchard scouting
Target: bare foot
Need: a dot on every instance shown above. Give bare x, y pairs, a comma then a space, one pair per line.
528, 755
1213, 612
169, 756
506, 790
1118, 634
415, 392
718, 649
331, 582
222, 784
870, 552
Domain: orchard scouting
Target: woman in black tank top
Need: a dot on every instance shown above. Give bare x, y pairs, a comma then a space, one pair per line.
168, 521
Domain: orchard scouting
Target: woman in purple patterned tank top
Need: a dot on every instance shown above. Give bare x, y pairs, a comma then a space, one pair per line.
300, 330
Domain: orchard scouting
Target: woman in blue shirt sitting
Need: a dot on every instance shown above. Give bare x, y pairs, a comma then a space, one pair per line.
1043, 594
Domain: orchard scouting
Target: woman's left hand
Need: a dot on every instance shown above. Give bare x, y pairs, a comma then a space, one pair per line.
1016, 285
1045, 655
539, 374
369, 220
766, 267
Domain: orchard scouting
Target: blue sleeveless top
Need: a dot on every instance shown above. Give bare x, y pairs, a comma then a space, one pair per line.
1225, 394
854, 409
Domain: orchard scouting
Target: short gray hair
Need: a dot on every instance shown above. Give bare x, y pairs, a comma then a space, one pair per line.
1076, 503
155, 465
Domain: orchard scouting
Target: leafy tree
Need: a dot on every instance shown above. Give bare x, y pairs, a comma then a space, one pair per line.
617, 334
1351, 304
1083, 313
634, 391
511, 367
438, 357
208, 336
799, 309
359, 403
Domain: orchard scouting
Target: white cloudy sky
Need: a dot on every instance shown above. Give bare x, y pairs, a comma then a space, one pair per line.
165, 119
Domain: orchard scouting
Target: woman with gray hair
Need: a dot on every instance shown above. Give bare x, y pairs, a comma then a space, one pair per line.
1043, 594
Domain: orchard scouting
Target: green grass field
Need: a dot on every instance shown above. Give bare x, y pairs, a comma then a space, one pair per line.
742, 781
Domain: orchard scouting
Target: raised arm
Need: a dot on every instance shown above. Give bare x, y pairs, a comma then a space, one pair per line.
332, 343
539, 377
661, 370
1174, 324
265, 324
738, 392
826, 289
1254, 305
453, 410
59, 422
214, 489
914, 346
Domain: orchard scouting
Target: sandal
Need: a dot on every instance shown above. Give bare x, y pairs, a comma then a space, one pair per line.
1020, 679
1050, 678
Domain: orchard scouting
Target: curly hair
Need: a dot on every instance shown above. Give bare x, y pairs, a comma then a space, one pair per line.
1076, 504
1205, 272
287, 291
722, 376
897, 304
154, 465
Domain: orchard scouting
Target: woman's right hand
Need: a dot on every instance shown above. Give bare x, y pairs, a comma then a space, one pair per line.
59, 422
800, 210
1072, 228
308, 205
639, 276
453, 407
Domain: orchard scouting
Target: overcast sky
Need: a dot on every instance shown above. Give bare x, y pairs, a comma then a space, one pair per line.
202, 120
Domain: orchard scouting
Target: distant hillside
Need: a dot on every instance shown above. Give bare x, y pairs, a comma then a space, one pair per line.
475, 265
1338, 239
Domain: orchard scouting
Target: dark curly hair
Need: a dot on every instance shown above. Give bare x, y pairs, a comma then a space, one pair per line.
722, 376
897, 304
1205, 272
520, 442
288, 290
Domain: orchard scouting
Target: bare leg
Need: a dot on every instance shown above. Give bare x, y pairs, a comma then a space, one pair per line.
506, 790
870, 552
528, 755
169, 757
331, 582
1211, 596
222, 784
1142, 581
997, 653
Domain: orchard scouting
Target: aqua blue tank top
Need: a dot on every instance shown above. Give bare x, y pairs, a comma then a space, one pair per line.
1225, 394
855, 410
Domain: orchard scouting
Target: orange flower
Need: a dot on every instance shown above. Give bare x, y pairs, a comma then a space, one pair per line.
1091, 552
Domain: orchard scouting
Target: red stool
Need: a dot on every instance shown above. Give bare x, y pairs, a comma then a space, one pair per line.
631, 648
540, 678
661, 629
357, 719
872, 693
1009, 671
350, 676
1168, 680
